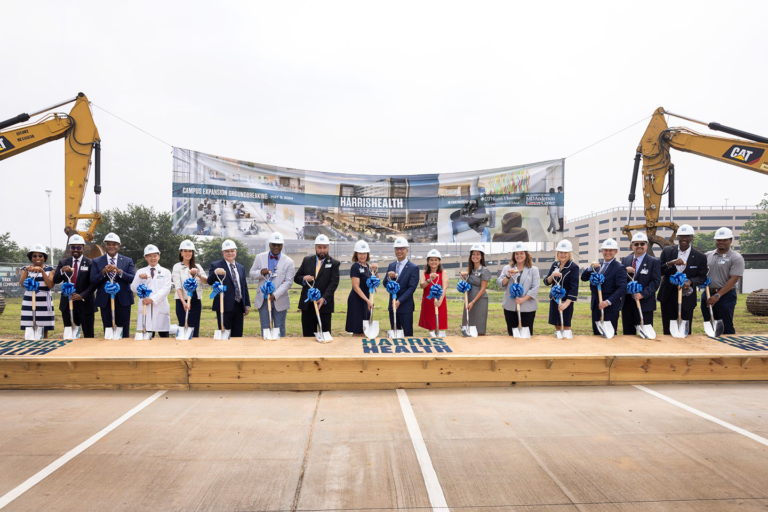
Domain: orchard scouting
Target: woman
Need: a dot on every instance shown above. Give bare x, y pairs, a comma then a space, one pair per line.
520, 270
433, 274
43, 275
182, 271
360, 303
478, 276
565, 271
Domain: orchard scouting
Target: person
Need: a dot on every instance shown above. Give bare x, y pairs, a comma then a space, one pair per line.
187, 268
680, 258
613, 288
564, 271
114, 267
478, 275
560, 209
237, 300
646, 270
433, 274
44, 315
726, 266
278, 267
78, 269
552, 212
158, 280
360, 303
406, 274
321, 271
520, 269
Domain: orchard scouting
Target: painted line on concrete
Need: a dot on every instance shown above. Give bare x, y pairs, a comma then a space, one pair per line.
706, 416
435, 492
53, 466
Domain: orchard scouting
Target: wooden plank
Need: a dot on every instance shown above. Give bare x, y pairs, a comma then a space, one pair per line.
92, 373
675, 370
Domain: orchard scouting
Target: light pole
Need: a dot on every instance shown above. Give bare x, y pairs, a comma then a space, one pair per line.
50, 228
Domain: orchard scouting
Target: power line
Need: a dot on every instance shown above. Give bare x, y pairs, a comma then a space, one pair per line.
131, 124
608, 137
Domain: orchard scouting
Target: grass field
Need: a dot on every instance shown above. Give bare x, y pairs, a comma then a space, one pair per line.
744, 321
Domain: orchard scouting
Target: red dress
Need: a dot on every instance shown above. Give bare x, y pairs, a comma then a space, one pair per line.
427, 317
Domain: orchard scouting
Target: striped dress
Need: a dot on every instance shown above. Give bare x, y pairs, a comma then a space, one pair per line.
45, 314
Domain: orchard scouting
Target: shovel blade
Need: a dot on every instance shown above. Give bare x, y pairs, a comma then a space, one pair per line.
605, 328
395, 334
269, 334
323, 337
113, 334
516, 332
371, 329
139, 336
33, 333
72, 333
640, 331
678, 329
525, 332
437, 334
649, 331
185, 333
472, 330
465, 331
568, 334
558, 334
227, 334
217, 335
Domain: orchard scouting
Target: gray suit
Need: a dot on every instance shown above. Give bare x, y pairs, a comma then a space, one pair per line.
530, 280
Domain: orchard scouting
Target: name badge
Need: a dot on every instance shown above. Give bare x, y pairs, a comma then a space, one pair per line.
722, 262
84, 268
694, 266
328, 265
644, 271
362, 270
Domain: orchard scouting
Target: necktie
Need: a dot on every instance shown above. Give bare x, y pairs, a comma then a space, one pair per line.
235, 281
74, 273
152, 272
634, 263
317, 267
111, 274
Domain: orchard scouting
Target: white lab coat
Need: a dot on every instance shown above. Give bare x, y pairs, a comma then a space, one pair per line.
159, 312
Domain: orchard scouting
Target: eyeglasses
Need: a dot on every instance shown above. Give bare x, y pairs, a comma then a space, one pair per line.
639, 244
76, 247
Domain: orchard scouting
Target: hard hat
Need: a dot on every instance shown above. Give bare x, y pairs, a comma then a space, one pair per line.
639, 237
362, 246
400, 242
434, 253
685, 229
187, 245
76, 240
477, 247
37, 248
228, 244
322, 240
276, 238
151, 249
610, 244
519, 247
564, 246
723, 234
111, 237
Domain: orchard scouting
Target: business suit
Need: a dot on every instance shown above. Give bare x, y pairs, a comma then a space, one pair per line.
283, 280
82, 310
123, 298
695, 271
614, 289
326, 280
648, 274
234, 310
408, 280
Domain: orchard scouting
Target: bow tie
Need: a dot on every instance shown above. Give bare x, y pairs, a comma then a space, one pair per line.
273, 257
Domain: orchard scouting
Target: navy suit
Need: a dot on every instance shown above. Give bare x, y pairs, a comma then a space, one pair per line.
234, 311
647, 274
123, 298
614, 289
695, 271
82, 310
408, 280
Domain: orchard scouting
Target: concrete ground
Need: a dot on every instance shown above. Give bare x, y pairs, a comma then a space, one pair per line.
595, 449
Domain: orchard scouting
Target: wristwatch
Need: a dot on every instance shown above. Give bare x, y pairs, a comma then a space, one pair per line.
717, 295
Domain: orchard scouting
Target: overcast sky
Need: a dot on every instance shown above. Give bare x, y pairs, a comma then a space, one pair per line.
380, 88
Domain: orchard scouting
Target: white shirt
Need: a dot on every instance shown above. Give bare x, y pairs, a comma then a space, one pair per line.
683, 255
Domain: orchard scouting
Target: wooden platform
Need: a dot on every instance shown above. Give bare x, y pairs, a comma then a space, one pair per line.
355, 363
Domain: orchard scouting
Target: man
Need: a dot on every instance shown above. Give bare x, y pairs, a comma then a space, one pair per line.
613, 288
407, 275
78, 268
157, 279
686, 259
323, 271
273, 263
726, 266
119, 269
647, 271
237, 301
560, 209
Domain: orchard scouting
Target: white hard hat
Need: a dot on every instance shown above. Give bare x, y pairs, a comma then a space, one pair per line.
228, 244
276, 238
434, 253
477, 247
400, 242
564, 246
685, 229
362, 246
187, 245
151, 249
37, 248
76, 240
610, 244
111, 237
519, 247
723, 234
322, 240
639, 237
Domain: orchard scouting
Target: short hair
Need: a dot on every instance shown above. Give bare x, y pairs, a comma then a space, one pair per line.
470, 265
367, 260
570, 255
528, 258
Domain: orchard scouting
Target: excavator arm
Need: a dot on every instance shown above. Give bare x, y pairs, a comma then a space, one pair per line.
81, 140
658, 171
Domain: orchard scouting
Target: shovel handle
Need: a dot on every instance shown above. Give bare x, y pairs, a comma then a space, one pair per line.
637, 301
708, 296
600, 299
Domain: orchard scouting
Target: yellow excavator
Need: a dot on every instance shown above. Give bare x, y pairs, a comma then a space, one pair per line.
81, 141
750, 152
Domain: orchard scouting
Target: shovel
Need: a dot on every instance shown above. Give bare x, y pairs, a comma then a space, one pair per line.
468, 331
371, 327
679, 328
520, 331
437, 333
73, 331
114, 332
644, 330
186, 332
320, 335
34, 332
221, 333
273, 333
395, 332
713, 328
562, 333
606, 329
143, 335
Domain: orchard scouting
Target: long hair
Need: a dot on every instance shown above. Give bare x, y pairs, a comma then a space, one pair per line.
470, 266
439, 267
191, 260
367, 259
528, 259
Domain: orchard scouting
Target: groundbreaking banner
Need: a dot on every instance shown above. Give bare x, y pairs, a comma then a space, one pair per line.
225, 197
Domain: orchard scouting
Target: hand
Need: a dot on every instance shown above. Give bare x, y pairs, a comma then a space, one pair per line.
433, 276
374, 267
247, 310
320, 302
464, 274
370, 304
309, 279
512, 271
392, 275
66, 269
264, 271
76, 296
638, 296
193, 272
221, 272
469, 306
557, 273
271, 297
595, 265
687, 285
187, 307
563, 306
712, 300
439, 302
678, 261
519, 300
603, 305
397, 303
630, 270
143, 276
146, 301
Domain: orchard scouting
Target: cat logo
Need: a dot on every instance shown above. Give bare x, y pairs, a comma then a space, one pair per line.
5, 144
744, 154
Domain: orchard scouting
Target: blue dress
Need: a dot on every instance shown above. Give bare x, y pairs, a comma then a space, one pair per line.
570, 281
357, 308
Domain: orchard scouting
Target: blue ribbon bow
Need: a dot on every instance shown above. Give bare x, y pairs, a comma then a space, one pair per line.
634, 287
313, 294
267, 289
596, 279
373, 282
112, 289
190, 285
557, 293
392, 288
463, 286
706, 283
143, 292
435, 292
67, 289
678, 279
217, 289
516, 290
31, 285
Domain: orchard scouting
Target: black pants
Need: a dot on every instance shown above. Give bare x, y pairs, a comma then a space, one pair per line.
669, 313
526, 317
404, 322
83, 318
608, 316
630, 317
233, 320
196, 307
122, 317
309, 322
723, 310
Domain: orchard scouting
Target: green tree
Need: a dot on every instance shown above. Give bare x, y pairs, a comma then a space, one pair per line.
209, 251
704, 241
754, 236
10, 251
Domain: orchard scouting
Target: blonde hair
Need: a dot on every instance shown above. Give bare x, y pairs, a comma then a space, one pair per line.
570, 256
